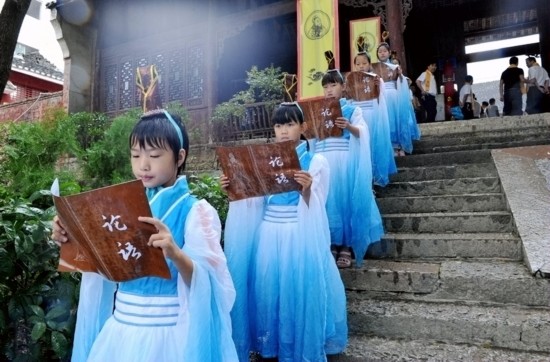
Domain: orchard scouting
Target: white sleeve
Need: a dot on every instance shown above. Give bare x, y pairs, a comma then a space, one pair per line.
208, 300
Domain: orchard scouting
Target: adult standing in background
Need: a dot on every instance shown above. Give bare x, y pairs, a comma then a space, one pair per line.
466, 98
537, 86
428, 86
511, 81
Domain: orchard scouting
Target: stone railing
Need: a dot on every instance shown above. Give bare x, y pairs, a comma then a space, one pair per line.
256, 123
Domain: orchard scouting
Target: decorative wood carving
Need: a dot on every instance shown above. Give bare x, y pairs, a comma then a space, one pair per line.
379, 8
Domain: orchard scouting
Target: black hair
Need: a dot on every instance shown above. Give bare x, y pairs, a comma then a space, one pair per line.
383, 44
531, 59
332, 76
492, 101
286, 113
364, 54
484, 103
156, 130
514, 60
469, 79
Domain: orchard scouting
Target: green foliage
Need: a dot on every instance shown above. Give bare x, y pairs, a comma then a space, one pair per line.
264, 86
90, 127
37, 313
107, 161
208, 187
177, 109
235, 107
31, 151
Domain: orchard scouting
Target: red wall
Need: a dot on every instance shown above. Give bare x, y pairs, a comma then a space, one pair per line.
31, 109
30, 87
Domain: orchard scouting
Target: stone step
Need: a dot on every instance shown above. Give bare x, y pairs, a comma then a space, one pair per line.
477, 185
452, 280
450, 222
446, 203
449, 158
478, 127
506, 326
485, 139
436, 246
428, 172
363, 348
482, 136
439, 147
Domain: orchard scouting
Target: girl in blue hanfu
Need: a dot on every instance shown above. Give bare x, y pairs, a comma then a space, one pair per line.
375, 114
354, 219
403, 127
291, 301
185, 318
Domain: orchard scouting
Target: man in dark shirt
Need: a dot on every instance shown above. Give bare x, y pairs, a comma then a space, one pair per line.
511, 82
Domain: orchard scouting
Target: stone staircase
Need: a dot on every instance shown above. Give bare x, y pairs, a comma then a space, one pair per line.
449, 281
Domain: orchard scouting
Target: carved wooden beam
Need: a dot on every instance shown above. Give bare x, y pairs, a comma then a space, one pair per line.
379, 8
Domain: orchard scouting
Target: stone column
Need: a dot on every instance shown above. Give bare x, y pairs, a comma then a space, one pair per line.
78, 44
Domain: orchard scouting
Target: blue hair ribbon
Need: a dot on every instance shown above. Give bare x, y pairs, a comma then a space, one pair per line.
178, 130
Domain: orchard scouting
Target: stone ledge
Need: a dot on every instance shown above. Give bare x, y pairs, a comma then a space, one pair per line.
528, 195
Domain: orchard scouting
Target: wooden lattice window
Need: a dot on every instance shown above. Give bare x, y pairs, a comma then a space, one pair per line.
182, 74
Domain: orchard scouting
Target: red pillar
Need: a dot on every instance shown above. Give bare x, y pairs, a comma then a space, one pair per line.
395, 27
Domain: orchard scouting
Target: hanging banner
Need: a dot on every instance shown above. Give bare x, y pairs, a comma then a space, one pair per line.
364, 33
317, 44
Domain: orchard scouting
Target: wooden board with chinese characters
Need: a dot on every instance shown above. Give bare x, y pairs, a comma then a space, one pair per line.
362, 86
256, 170
105, 235
320, 116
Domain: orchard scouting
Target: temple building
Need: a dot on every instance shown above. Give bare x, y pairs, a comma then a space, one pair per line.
202, 49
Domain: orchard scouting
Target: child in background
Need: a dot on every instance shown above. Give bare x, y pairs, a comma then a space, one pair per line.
484, 106
291, 301
492, 110
185, 318
398, 101
353, 215
375, 115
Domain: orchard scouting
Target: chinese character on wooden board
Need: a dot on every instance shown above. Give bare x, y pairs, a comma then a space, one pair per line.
256, 170
362, 86
105, 235
320, 116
